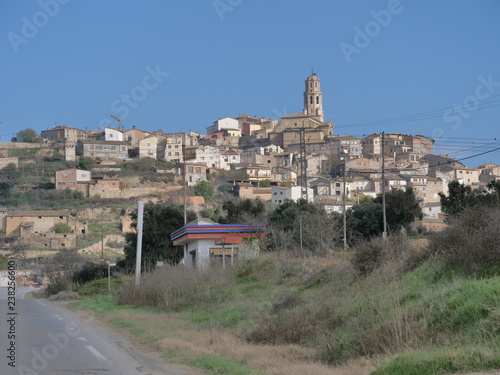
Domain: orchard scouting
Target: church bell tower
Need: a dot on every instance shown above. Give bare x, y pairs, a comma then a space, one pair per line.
313, 98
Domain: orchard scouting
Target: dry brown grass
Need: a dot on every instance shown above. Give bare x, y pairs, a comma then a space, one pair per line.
171, 288
178, 341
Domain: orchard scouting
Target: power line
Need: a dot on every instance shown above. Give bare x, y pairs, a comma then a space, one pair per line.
486, 103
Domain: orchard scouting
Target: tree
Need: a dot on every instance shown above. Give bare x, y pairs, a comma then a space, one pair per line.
265, 183
5, 189
159, 222
461, 197
27, 135
364, 221
402, 208
243, 211
85, 163
10, 172
299, 224
59, 270
204, 189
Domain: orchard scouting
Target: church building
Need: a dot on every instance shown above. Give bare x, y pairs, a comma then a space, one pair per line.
312, 118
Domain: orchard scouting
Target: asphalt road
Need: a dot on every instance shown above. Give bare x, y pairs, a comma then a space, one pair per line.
50, 339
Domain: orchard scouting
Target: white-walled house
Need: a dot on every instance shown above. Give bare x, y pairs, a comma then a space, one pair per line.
205, 242
229, 157
223, 124
112, 134
208, 155
279, 194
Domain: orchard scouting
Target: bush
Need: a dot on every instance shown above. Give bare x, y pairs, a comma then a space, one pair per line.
292, 326
372, 254
284, 300
62, 228
172, 288
90, 271
472, 241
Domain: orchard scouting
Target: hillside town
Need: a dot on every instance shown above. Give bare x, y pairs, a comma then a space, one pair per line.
297, 156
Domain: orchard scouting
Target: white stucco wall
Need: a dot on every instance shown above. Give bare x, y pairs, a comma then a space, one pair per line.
248, 249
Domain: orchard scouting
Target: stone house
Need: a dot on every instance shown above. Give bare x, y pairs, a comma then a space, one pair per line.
254, 157
256, 172
134, 135
467, 176
148, 146
102, 149
395, 182
283, 175
195, 172
489, 172
60, 134
104, 187
229, 157
74, 179
15, 223
170, 148
208, 155
245, 190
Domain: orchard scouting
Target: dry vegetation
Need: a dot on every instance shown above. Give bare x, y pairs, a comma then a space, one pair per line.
425, 309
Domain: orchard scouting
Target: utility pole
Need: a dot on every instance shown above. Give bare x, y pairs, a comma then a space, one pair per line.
384, 234
184, 176
343, 205
138, 257
102, 245
300, 232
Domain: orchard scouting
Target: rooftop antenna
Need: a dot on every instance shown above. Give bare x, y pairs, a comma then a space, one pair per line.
119, 121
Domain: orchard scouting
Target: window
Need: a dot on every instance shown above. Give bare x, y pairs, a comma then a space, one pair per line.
317, 100
311, 100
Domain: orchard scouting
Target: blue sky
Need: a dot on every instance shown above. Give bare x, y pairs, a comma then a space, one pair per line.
409, 66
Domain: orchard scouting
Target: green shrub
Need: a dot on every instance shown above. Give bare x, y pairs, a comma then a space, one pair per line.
90, 271
62, 228
472, 241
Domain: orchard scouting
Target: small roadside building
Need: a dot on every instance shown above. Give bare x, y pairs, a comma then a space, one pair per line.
205, 242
